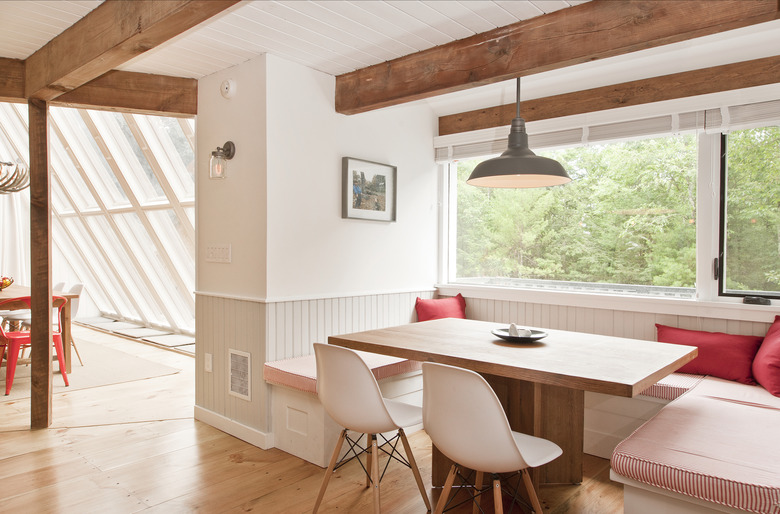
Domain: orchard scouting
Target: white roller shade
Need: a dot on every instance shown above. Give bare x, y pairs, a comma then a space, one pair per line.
493, 141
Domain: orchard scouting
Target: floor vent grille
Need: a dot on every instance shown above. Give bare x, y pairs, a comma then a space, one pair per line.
240, 374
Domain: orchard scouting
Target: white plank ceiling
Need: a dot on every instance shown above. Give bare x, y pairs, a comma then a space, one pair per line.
334, 37
339, 36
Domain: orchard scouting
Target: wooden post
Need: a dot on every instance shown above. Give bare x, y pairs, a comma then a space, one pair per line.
40, 256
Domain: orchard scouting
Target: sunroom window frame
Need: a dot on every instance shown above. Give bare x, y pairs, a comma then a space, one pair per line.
707, 298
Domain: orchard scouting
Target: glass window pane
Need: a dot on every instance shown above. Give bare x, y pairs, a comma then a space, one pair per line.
67, 177
80, 140
123, 195
107, 280
173, 151
752, 213
626, 224
156, 274
167, 227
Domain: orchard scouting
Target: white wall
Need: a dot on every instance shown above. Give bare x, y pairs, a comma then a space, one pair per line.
312, 251
300, 272
233, 210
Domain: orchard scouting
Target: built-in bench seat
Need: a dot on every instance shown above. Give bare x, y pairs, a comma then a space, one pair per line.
610, 419
301, 426
714, 449
673, 386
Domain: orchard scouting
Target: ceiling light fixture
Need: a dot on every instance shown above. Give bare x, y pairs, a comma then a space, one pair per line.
14, 176
219, 159
518, 166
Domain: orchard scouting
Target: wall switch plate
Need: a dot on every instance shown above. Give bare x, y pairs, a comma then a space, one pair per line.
219, 253
209, 363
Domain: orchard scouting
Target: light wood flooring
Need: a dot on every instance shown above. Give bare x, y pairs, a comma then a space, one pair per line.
135, 447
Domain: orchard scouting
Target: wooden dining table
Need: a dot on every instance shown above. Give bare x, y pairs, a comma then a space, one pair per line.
17, 291
540, 384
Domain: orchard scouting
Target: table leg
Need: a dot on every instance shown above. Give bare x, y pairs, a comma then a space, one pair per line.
66, 335
552, 412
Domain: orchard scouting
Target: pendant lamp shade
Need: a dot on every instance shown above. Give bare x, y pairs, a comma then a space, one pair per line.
518, 166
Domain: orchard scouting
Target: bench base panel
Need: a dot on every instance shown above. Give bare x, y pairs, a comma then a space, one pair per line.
640, 498
301, 427
610, 419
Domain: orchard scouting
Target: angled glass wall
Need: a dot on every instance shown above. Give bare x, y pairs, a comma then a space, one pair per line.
123, 203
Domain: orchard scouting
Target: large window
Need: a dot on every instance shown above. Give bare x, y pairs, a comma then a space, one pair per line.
123, 196
626, 224
750, 213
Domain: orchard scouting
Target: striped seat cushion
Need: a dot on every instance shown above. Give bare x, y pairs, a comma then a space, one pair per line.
717, 443
301, 372
672, 386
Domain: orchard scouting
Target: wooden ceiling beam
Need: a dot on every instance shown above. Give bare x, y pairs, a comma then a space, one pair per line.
758, 72
111, 34
11, 80
124, 91
140, 93
589, 31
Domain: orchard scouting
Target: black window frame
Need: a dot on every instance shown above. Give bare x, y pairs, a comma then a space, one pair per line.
719, 266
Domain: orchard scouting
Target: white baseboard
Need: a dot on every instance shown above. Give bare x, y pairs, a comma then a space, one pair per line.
251, 435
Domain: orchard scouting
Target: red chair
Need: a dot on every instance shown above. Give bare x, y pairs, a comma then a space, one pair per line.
15, 341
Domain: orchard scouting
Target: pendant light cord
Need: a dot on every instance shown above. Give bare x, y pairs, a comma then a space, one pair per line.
518, 97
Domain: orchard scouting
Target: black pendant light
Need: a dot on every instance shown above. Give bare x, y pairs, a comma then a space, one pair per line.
518, 166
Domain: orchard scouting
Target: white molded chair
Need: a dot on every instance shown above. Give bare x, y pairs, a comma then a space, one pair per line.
350, 394
15, 320
74, 308
465, 420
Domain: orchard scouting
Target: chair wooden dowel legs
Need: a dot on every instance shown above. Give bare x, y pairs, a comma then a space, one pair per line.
369, 453
73, 343
499, 504
477, 487
529, 485
446, 490
375, 473
333, 460
415, 469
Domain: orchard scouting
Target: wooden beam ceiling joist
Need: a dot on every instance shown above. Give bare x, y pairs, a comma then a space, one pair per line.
124, 91
113, 33
758, 72
589, 31
11, 80
140, 93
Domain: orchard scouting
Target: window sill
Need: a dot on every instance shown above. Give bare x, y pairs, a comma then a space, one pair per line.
727, 308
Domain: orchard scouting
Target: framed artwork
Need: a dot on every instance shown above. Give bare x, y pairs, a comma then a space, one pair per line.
369, 190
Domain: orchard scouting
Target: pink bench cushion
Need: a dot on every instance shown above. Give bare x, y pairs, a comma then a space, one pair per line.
673, 386
301, 372
717, 443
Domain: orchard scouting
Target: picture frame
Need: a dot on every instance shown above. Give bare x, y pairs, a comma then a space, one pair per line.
368, 190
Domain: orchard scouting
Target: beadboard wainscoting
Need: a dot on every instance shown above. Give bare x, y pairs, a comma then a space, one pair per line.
610, 322
273, 330
294, 325
224, 324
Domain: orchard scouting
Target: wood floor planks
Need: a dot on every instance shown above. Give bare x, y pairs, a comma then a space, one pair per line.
135, 447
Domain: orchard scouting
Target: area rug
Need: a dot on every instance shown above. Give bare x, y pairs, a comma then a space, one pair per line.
102, 366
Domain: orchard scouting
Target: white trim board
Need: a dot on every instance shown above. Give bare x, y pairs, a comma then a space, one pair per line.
251, 435
705, 309
283, 299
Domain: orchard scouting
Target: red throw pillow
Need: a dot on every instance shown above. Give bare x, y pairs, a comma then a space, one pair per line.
454, 307
766, 365
720, 355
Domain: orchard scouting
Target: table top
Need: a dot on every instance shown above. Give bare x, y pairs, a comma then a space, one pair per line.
16, 291
591, 362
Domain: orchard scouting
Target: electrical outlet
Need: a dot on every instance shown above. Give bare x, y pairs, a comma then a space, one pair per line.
209, 365
219, 253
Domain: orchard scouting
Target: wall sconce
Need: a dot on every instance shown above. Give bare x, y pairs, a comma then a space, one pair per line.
219, 159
